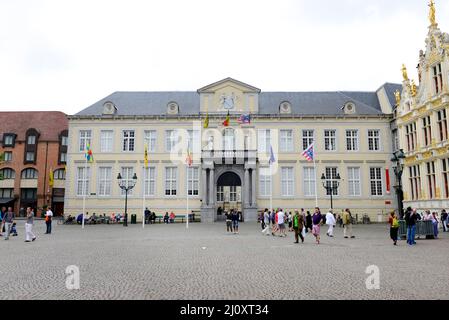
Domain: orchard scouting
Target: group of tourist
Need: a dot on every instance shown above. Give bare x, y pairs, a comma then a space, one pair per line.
232, 221
8, 226
274, 222
411, 217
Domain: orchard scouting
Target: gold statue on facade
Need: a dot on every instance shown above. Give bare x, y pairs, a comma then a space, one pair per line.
432, 12
404, 72
413, 89
397, 95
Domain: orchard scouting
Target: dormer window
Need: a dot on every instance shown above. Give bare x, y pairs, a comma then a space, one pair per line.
9, 140
63, 145
109, 108
172, 108
32, 137
285, 108
349, 108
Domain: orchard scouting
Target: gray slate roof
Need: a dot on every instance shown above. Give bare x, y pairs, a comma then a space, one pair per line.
303, 103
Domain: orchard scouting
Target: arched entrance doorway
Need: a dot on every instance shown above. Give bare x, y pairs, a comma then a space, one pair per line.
229, 194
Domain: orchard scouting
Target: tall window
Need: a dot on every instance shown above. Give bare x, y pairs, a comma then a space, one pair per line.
309, 182
431, 179
330, 140
396, 145
376, 181
150, 181
105, 181
106, 140
31, 140
127, 177
352, 140
288, 181
150, 140
427, 130
8, 156
415, 182
264, 182
354, 188
446, 177
233, 194
195, 141
264, 140
220, 193
85, 139
128, 140
63, 146
438, 78
331, 180
83, 181
171, 139
29, 173
7, 174
410, 133
308, 137
228, 139
170, 181
374, 140
286, 142
30, 156
442, 124
193, 181
7, 193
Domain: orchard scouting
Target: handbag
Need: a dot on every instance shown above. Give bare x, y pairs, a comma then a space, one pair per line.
303, 232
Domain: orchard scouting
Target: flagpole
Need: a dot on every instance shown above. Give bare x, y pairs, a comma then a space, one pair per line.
143, 196
271, 187
187, 192
84, 191
316, 182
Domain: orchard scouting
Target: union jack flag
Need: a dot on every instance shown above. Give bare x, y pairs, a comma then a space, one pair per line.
309, 153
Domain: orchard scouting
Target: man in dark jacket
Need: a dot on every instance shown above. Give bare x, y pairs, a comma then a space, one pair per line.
444, 216
411, 216
8, 219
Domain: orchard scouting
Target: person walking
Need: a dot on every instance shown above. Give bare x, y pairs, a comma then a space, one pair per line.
266, 220
317, 218
394, 227
8, 220
228, 222
435, 224
2, 222
298, 225
410, 221
309, 223
29, 235
347, 221
444, 216
235, 221
48, 219
330, 221
281, 223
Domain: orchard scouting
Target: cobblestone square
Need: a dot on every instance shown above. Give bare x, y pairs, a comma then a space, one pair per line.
170, 262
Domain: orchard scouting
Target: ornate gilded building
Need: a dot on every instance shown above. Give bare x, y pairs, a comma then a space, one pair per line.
421, 114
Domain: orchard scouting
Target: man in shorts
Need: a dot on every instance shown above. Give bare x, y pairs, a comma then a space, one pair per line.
281, 223
235, 221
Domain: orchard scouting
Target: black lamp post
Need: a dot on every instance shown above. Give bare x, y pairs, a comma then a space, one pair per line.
398, 158
124, 185
330, 187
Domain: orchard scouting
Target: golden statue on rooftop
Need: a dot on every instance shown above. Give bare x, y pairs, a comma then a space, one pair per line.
404, 72
397, 95
413, 89
432, 17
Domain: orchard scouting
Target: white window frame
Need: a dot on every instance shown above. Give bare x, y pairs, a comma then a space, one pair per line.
106, 143
306, 139
193, 181
149, 181
126, 141
104, 182
376, 180
85, 181
171, 183
330, 139
264, 140
265, 182
286, 142
150, 140
287, 193
309, 184
220, 194
171, 139
354, 182
373, 138
85, 138
332, 181
353, 140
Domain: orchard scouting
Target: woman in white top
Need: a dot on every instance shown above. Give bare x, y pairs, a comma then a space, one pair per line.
330, 221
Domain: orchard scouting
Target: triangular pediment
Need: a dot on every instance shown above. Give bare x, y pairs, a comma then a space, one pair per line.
229, 82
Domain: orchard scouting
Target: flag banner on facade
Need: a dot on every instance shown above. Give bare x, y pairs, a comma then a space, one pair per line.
206, 122
51, 179
89, 154
387, 175
227, 122
272, 158
244, 119
189, 159
309, 153
146, 157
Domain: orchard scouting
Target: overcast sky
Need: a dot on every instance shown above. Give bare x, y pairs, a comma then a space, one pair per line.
66, 55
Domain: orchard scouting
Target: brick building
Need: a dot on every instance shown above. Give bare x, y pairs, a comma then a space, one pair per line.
32, 145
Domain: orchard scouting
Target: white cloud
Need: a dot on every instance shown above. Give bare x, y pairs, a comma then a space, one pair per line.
66, 55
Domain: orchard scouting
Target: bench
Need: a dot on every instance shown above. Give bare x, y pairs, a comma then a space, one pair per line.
179, 218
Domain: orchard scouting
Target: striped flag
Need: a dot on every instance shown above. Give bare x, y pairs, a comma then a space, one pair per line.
309, 153
189, 159
146, 157
206, 121
89, 155
272, 158
226, 123
51, 179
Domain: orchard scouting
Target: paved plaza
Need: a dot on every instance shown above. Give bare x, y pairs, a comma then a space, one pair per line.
170, 262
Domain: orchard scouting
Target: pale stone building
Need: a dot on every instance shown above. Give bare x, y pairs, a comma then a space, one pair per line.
230, 169
421, 115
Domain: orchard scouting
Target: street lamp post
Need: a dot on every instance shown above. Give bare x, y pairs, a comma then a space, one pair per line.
398, 158
330, 187
126, 186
